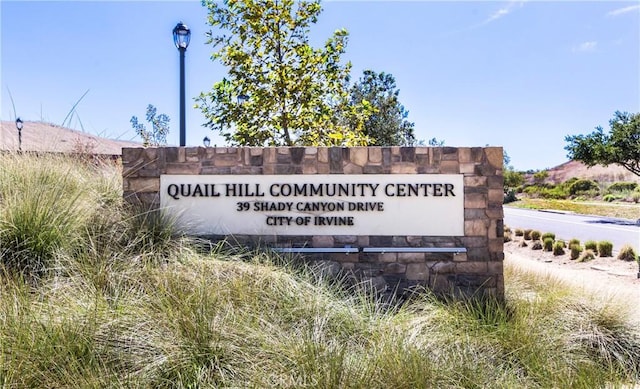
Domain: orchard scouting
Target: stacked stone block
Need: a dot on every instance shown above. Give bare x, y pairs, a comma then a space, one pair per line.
478, 271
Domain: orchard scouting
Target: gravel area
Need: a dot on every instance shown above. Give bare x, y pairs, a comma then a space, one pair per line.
607, 277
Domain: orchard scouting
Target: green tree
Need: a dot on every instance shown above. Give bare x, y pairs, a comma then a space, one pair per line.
621, 146
388, 124
512, 179
506, 159
298, 94
157, 136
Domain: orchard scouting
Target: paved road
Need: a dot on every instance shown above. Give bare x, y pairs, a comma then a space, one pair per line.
567, 226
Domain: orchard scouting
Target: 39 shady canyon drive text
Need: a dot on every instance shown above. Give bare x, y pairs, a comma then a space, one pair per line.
178, 191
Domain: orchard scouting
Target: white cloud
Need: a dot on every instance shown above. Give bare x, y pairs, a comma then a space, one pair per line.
498, 14
624, 10
502, 12
585, 47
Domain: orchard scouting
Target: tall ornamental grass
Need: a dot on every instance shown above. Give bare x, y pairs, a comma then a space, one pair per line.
207, 322
44, 208
136, 305
54, 206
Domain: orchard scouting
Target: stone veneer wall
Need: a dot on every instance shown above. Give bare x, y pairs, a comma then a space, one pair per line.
480, 269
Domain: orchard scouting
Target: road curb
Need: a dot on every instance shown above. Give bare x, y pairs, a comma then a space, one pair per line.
557, 211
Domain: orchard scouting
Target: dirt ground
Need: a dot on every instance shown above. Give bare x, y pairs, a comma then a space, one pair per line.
608, 277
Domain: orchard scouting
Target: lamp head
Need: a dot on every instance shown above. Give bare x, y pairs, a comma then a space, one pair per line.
181, 36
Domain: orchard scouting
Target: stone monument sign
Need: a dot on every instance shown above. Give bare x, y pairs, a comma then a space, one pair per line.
397, 216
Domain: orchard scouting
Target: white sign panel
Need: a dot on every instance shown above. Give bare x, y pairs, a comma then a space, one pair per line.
370, 204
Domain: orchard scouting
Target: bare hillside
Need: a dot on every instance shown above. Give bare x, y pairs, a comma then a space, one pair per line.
611, 173
39, 136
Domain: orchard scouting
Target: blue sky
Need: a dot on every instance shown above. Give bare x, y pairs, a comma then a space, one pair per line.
516, 74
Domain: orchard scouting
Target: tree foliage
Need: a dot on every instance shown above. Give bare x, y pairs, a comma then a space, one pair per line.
434, 142
157, 136
620, 146
512, 178
298, 94
388, 124
506, 159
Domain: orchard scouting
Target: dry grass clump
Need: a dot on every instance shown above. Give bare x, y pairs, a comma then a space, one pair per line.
535, 235
586, 256
627, 253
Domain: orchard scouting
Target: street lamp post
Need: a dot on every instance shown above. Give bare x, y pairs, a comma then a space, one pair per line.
19, 127
181, 37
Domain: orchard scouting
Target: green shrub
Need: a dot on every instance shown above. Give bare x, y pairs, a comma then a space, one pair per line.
574, 241
622, 187
587, 255
605, 248
583, 186
540, 176
519, 232
558, 248
609, 198
535, 235
575, 249
532, 190
556, 193
627, 253
570, 181
547, 191
591, 245
548, 235
547, 244
527, 234
509, 197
